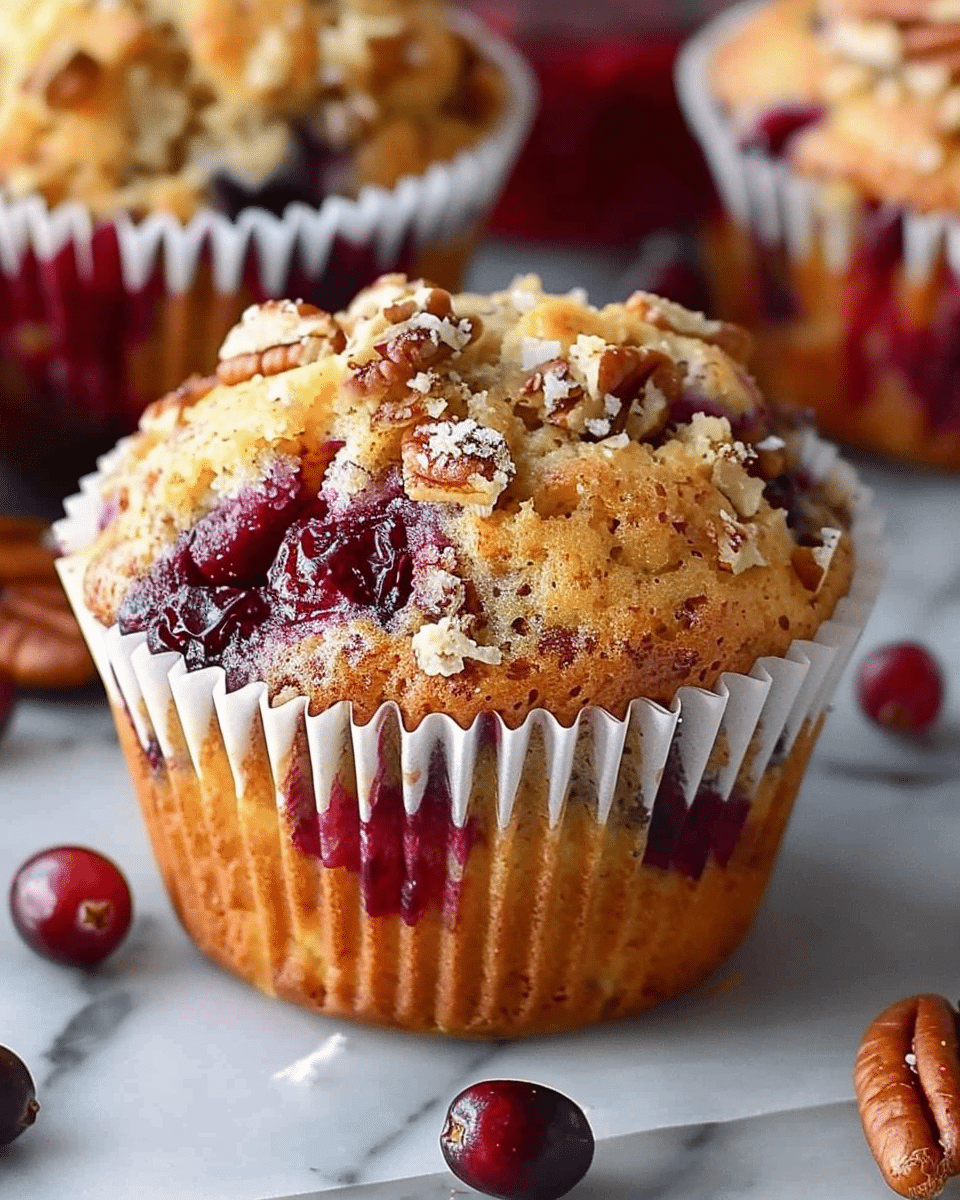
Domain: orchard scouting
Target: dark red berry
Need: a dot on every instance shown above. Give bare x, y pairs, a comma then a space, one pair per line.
900, 687
18, 1097
237, 542
360, 559
71, 904
199, 623
8, 696
772, 132
517, 1140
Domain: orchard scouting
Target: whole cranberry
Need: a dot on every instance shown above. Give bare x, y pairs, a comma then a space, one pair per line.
71, 904
517, 1140
18, 1097
900, 687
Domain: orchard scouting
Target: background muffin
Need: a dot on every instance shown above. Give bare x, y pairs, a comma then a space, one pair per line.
833, 130
456, 556
164, 129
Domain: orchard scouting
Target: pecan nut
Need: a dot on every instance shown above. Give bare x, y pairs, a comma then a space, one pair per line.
907, 1082
277, 336
674, 318
456, 462
40, 642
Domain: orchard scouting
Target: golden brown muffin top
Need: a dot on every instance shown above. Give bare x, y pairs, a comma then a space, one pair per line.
470, 502
886, 74
136, 104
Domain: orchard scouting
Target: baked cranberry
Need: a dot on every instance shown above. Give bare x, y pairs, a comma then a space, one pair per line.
772, 132
238, 541
200, 623
18, 1097
361, 559
517, 1140
8, 697
900, 687
71, 904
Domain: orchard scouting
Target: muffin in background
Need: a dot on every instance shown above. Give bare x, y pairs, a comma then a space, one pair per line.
467, 651
832, 128
163, 165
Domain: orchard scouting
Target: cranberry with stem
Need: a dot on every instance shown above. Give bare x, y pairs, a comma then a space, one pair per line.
517, 1140
71, 905
18, 1097
900, 687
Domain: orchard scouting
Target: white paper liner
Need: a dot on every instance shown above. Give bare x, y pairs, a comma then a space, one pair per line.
764, 195
429, 209
725, 737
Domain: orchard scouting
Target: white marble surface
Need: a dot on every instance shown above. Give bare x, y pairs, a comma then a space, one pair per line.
162, 1077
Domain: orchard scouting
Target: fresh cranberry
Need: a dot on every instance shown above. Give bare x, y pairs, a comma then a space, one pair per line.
772, 132
71, 904
200, 623
8, 697
237, 542
360, 559
18, 1097
517, 1140
900, 687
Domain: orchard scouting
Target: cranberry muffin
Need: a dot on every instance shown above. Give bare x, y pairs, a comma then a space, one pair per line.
398, 613
833, 128
164, 164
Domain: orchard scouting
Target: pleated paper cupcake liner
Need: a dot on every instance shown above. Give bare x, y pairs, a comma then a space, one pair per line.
97, 319
823, 277
484, 881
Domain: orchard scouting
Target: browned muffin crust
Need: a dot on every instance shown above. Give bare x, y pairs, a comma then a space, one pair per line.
137, 104
591, 500
887, 75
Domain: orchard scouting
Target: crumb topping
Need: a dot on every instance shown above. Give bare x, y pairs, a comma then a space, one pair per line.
472, 493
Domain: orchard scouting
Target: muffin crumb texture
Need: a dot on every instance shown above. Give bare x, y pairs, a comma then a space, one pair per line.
466, 503
151, 105
873, 87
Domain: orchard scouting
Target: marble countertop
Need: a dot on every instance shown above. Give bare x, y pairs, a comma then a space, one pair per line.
161, 1076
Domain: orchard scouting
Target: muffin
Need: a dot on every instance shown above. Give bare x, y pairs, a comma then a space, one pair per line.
163, 165
833, 131
467, 651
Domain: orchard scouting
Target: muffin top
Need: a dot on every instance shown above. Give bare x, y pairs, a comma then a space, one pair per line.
862, 92
467, 503
140, 105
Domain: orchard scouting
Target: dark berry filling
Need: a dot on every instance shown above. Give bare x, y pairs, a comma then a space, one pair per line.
403, 859
681, 837
773, 131
272, 555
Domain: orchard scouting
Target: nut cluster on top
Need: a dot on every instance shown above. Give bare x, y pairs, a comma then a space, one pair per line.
469, 502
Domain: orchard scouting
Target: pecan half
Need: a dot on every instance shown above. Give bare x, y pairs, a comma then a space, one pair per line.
907, 1082
40, 642
277, 336
456, 462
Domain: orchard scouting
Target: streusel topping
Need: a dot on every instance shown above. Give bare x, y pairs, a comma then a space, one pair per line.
467, 502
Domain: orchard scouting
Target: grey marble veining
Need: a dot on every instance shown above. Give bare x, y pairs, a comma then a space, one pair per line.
162, 1077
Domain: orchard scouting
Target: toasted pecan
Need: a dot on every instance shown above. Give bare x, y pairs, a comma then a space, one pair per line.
907, 1082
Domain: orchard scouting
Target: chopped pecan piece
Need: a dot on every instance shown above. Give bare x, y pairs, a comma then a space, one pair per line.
424, 332
168, 408
907, 1081
277, 336
74, 83
674, 318
40, 642
456, 462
